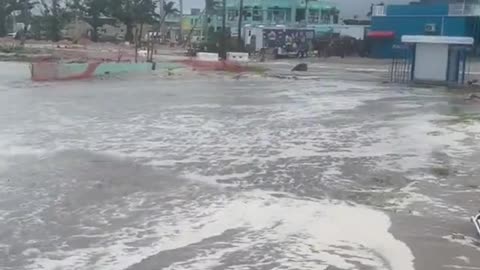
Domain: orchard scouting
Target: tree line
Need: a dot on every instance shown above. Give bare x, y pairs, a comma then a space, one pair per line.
51, 16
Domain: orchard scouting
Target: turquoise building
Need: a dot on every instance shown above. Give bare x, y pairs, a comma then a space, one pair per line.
283, 12
291, 13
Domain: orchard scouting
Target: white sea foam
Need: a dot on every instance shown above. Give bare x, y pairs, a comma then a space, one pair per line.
410, 198
464, 259
308, 234
463, 267
463, 240
215, 179
410, 141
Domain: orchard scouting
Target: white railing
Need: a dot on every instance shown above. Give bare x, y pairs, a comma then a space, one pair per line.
379, 10
463, 9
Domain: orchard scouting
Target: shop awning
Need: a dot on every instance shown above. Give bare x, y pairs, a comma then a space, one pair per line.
381, 34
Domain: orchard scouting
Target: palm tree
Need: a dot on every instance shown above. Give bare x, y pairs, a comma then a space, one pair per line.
26, 8
180, 5
212, 7
167, 9
132, 13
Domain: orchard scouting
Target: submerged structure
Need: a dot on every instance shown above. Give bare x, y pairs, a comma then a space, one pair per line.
77, 63
61, 71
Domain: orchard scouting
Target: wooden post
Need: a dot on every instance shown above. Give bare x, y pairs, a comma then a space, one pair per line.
148, 47
136, 44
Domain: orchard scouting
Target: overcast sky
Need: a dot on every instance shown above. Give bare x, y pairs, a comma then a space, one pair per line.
348, 8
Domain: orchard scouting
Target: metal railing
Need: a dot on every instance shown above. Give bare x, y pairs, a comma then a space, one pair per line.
464, 9
379, 10
401, 66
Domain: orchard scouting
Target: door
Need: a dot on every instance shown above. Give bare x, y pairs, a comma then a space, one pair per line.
431, 61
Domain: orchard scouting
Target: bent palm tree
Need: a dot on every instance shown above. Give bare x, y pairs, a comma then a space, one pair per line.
168, 8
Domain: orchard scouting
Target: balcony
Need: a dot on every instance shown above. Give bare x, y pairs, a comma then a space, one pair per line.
463, 9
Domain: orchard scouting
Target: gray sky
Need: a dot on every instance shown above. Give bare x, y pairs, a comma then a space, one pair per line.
348, 8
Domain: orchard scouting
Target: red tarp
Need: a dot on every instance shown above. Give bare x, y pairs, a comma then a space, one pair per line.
381, 34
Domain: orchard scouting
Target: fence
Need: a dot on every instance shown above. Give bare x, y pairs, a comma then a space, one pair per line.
463, 9
401, 66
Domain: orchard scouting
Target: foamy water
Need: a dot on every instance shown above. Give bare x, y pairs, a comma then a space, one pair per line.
313, 235
260, 173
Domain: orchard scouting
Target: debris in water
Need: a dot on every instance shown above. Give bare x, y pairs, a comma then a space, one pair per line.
476, 221
301, 67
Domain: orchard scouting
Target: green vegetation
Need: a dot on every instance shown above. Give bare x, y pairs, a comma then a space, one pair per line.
7, 7
92, 10
132, 13
54, 15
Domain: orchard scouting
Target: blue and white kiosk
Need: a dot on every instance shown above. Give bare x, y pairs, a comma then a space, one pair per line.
437, 59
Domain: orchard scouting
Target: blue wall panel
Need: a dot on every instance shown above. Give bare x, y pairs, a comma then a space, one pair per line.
415, 10
456, 26
412, 19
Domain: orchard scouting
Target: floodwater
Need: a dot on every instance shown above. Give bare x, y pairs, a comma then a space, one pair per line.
221, 172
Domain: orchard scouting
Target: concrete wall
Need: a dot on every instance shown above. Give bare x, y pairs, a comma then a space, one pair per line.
45, 71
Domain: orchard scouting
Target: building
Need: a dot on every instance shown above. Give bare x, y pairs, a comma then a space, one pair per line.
195, 11
290, 13
433, 60
284, 12
171, 27
192, 25
436, 18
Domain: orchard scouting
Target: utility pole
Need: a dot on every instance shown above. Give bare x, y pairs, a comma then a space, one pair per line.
306, 12
224, 31
240, 26
180, 3
25, 22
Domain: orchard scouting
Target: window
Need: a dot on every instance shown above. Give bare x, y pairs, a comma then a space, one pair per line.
232, 14
257, 15
278, 15
314, 16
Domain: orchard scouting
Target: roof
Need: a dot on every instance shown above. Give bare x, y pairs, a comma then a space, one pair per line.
438, 40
